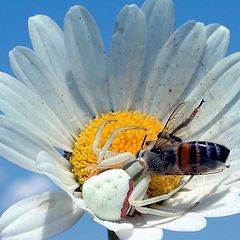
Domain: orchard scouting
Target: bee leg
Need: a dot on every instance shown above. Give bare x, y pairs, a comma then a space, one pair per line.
140, 203
108, 143
170, 137
98, 136
188, 120
175, 139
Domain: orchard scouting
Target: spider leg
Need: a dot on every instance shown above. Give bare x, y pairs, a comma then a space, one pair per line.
119, 159
139, 192
108, 143
140, 203
164, 213
98, 136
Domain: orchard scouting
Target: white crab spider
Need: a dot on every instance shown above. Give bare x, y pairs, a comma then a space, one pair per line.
111, 194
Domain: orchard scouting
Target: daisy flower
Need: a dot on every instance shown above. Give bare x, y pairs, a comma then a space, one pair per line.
70, 94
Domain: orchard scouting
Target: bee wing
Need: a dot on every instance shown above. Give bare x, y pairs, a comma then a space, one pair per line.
200, 169
178, 116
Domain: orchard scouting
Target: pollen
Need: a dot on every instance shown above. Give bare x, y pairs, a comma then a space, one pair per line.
126, 141
162, 185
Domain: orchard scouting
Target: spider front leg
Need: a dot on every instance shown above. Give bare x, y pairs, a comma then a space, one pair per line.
108, 143
116, 158
98, 136
155, 210
160, 198
136, 199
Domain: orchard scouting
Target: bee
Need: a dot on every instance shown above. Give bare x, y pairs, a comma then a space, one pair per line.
169, 155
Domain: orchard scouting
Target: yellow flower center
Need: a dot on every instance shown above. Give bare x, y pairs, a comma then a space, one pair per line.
126, 141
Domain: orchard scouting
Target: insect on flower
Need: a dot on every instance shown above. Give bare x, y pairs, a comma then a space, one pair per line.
113, 193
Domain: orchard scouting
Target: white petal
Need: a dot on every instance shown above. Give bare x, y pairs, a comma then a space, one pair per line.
220, 90
87, 58
225, 129
140, 234
126, 56
216, 48
174, 68
19, 145
160, 22
217, 44
78, 201
235, 187
17, 158
32, 71
221, 68
231, 140
233, 177
189, 222
209, 179
211, 28
113, 226
234, 158
48, 44
226, 122
58, 170
39, 217
20, 103
186, 199
219, 205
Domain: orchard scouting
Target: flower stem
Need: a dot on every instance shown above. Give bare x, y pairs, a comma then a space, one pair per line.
112, 235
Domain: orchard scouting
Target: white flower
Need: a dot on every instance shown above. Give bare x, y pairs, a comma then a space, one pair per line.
68, 79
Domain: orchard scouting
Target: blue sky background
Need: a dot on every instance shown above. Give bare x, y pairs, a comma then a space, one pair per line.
16, 183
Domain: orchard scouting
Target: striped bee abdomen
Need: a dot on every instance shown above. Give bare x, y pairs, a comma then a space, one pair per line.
190, 158
198, 157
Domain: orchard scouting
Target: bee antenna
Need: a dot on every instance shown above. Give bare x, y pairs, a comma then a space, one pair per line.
143, 142
201, 103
